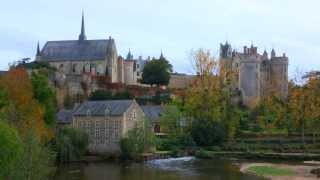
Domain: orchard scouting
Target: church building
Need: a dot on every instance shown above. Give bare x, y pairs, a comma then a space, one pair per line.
92, 57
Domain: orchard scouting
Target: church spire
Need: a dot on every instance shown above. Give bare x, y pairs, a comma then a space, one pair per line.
38, 50
161, 56
82, 35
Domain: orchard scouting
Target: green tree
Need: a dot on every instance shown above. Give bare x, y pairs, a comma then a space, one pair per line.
11, 149
46, 96
137, 140
101, 95
157, 72
70, 144
35, 162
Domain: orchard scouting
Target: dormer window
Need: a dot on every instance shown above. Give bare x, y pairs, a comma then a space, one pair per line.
107, 112
88, 112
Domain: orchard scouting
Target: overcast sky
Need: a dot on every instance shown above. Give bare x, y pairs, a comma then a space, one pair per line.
173, 26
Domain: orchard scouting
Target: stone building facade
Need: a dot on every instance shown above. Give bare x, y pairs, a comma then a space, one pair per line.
106, 122
256, 75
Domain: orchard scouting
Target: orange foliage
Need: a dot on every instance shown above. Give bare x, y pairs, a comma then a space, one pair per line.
24, 112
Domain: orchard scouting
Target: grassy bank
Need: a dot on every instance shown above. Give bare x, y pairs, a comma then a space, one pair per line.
267, 171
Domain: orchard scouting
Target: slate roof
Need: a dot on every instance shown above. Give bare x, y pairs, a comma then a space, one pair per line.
64, 116
75, 50
152, 112
98, 108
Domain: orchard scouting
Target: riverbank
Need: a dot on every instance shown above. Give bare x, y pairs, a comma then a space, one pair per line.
258, 155
280, 171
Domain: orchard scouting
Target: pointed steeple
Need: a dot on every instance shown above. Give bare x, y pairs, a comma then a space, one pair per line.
273, 53
129, 55
161, 56
38, 50
82, 35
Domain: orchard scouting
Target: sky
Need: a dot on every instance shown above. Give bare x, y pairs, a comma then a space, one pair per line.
175, 27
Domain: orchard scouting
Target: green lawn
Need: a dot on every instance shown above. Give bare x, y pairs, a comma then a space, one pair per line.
270, 171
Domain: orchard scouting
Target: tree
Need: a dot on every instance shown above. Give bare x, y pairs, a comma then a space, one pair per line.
46, 97
11, 149
70, 144
108, 95
209, 99
23, 111
137, 140
101, 95
157, 72
35, 162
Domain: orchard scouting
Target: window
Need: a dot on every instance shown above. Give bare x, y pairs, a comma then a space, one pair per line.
74, 66
134, 115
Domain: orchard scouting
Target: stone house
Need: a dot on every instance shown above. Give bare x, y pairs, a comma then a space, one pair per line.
106, 122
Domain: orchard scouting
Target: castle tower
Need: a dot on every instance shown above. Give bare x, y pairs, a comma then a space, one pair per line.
82, 35
279, 75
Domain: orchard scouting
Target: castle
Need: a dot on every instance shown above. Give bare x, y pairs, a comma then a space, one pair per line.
257, 75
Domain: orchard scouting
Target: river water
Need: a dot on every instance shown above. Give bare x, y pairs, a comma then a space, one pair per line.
188, 168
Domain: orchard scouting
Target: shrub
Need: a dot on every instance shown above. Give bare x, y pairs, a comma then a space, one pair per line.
70, 144
138, 140
206, 133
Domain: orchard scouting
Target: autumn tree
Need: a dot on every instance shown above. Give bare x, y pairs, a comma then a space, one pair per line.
23, 111
209, 99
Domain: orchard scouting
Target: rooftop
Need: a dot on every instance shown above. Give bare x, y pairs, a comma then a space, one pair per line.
99, 108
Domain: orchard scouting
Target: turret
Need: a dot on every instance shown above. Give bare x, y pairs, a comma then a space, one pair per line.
265, 55
225, 50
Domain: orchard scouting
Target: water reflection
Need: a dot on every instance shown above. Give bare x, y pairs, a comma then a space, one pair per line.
188, 168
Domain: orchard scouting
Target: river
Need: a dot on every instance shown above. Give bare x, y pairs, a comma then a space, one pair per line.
188, 168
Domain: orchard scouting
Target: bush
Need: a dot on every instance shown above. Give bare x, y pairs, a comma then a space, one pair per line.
206, 133
70, 144
138, 140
